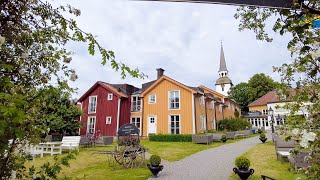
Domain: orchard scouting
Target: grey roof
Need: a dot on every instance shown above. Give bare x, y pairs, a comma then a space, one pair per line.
224, 80
223, 65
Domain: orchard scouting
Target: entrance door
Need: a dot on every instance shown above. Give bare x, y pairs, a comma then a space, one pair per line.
152, 125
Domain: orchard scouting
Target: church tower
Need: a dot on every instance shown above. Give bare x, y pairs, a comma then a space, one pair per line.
223, 84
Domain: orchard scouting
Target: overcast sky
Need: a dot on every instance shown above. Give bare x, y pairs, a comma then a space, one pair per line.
182, 38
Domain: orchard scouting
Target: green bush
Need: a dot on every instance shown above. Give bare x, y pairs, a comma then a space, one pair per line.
242, 162
211, 131
155, 160
259, 130
171, 137
263, 135
224, 137
234, 124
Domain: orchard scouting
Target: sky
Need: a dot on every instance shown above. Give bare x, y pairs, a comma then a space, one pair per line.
182, 38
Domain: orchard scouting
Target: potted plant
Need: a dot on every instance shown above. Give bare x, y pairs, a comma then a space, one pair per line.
259, 130
154, 165
242, 167
263, 138
224, 138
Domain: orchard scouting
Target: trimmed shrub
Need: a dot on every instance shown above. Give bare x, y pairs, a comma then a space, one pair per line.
234, 124
171, 137
224, 136
242, 163
262, 135
155, 160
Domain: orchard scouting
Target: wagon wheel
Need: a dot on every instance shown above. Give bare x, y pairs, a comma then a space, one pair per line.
118, 158
133, 157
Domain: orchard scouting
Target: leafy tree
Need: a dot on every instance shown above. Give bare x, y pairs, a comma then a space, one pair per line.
262, 84
236, 113
57, 111
243, 94
33, 34
304, 46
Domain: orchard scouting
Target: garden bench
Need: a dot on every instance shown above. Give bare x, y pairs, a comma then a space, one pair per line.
70, 142
85, 141
299, 160
244, 133
206, 139
216, 137
107, 140
230, 135
283, 147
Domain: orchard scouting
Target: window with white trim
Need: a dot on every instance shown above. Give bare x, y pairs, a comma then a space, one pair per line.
108, 120
174, 99
202, 100
203, 122
152, 99
220, 108
91, 124
175, 124
232, 107
212, 104
229, 107
92, 104
110, 96
135, 104
137, 122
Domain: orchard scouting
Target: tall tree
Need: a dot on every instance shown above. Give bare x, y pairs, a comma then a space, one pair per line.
304, 45
257, 86
243, 94
33, 35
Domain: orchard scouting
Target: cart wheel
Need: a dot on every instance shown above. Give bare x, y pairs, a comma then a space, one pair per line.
133, 157
118, 158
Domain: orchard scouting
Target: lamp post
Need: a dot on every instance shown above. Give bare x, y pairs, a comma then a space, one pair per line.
272, 119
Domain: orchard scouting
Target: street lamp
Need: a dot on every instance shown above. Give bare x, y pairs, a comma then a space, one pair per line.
272, 119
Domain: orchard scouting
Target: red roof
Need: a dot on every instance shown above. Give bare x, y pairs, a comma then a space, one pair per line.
271, 96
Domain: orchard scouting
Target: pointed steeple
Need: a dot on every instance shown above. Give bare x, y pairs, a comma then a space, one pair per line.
223, 66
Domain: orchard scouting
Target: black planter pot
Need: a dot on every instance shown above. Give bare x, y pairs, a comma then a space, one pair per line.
224, 140
155, 169
243, 174
263, 140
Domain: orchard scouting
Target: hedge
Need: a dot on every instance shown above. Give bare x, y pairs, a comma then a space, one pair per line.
171, 137
234, 124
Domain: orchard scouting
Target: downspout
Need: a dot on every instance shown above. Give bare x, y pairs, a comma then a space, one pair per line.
205, 110
193, 115
118, 115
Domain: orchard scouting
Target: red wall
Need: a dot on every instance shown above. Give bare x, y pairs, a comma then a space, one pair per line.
125, 111
105, 108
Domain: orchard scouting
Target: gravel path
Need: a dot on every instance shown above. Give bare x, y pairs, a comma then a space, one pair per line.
214, 164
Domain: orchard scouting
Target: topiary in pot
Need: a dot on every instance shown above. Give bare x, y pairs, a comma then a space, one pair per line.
259, 130
223, 138
242, 167
263, 138
154, 165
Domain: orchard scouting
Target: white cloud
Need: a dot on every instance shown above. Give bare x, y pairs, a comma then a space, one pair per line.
182, 38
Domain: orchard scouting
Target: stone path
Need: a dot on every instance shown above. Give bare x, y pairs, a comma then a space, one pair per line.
214, 164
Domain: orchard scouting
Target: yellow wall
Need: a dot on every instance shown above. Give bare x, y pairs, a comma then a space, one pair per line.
200, 111
161, 108
259, 108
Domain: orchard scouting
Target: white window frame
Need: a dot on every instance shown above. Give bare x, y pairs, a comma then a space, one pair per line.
169, 102
110, 96
107, 119
203, 122
212, 104
94, 127
229, 106
220, 108
131, 122
233, 107
141, 102
202, 101
89, 105
150, 98
169, 123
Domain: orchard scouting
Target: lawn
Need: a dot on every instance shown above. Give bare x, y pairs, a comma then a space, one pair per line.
264, 162
95, 166
173, 151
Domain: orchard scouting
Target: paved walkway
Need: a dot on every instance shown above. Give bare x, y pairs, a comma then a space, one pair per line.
214, 164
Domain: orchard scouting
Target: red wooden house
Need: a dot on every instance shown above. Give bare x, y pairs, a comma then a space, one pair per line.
105, 108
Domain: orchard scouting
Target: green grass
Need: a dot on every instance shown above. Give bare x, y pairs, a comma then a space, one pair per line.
95, 166
173, 151
264, 162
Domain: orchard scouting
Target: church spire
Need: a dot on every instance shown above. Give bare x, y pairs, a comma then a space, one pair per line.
223, 66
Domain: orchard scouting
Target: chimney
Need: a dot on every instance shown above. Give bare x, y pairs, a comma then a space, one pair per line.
160, 72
